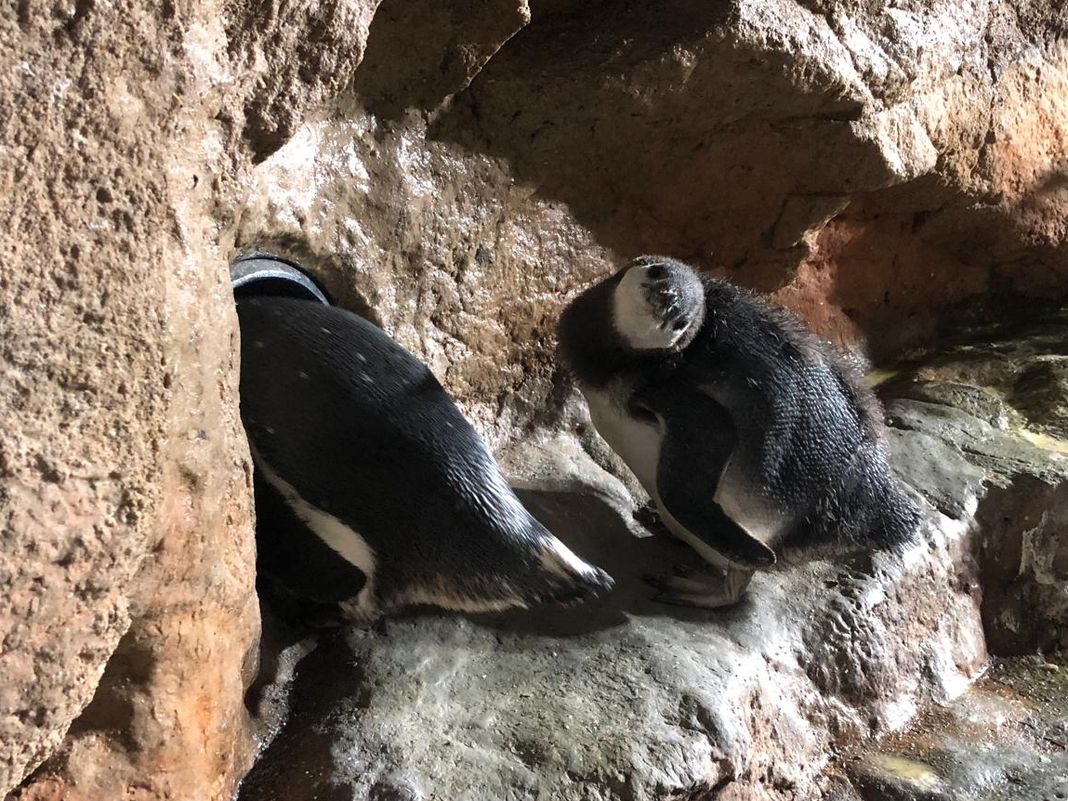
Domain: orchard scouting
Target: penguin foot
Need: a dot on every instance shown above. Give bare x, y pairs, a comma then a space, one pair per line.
361, 610
701, 590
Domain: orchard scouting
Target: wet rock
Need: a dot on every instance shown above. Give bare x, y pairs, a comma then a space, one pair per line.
895, 778
1005, 738
970, 396
1024, 567
1040, 391
945, 478
623, 698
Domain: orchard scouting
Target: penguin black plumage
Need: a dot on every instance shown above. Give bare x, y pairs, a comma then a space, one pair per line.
389, 495
749, 432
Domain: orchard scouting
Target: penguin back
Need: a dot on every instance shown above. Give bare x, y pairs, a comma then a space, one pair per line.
362, 430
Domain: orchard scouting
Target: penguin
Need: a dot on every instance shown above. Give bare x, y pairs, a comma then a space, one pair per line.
750, 434
373, 492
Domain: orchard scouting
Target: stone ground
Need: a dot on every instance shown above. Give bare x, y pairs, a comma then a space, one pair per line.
624, 699
1006, 739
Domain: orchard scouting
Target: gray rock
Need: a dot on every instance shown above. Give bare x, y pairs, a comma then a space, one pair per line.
1006, 739
623, 699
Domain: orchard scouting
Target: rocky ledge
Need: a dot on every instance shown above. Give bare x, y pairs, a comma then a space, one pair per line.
627, 699
1006, 739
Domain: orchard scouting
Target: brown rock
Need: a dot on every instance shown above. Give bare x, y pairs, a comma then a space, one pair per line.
422, 51
84, 358
875, 165
838, 155
291, 57
709, 131
128, 613
439, 246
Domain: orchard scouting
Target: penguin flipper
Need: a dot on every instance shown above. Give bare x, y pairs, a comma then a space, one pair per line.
697, 445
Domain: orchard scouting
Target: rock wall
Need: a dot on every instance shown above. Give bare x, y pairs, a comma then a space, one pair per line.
453, 170
128, 618
874, 166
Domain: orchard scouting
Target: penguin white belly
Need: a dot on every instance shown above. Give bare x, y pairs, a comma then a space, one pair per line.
636, 442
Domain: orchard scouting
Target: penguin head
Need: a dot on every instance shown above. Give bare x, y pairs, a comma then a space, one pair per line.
651, 309
658, 304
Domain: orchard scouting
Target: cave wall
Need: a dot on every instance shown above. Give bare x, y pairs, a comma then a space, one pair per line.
874, 167
128, 618
453, 170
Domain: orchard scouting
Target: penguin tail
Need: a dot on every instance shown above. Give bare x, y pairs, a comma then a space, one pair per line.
881, 511
896, 527
565, 578
868, 508
529, 574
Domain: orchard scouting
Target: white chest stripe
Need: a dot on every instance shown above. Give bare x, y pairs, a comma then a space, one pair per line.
637, 443
342, 538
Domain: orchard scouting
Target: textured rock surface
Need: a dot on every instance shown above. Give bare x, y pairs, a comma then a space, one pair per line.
628, 699
453, 169
875, 164
440, 247
1005, 739
420, 53
127, 614
1020, 536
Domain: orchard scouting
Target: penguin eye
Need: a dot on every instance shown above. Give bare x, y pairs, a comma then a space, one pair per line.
643, 413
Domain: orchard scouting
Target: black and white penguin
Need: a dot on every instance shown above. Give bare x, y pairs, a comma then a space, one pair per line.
749, 433
373, 491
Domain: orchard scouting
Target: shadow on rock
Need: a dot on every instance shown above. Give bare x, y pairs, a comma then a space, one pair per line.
598, 533
329, 689
324, 681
